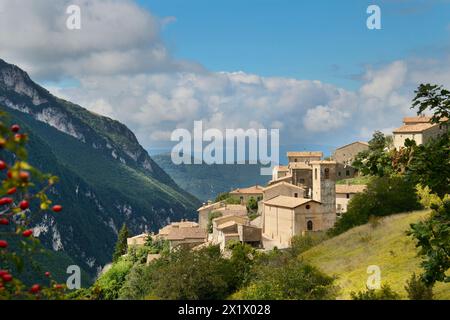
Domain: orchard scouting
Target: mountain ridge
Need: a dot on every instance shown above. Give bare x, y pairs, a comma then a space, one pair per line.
107, 177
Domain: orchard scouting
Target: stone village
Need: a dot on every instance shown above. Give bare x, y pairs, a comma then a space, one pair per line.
301, 197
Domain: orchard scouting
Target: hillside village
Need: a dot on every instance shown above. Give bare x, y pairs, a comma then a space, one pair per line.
302, 197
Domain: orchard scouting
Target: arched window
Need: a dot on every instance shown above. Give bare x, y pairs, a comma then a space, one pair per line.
310, 225
327, 173
315, 174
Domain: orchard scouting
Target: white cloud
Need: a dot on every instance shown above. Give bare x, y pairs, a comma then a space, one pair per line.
126, 72
115, 37
381, 83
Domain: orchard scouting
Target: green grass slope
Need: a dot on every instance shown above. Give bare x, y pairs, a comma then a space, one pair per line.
386, 245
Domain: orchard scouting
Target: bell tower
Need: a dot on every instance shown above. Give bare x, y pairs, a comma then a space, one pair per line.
324, 190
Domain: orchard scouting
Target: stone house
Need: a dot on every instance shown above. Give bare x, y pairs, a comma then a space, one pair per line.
222, 207
419, 129
138, 240
345, 155
244, 194
280, 172
344, 193
283, 189
285, 217
235, 228
185, 233
304, 156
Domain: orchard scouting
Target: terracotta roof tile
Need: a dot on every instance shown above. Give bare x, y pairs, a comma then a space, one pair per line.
288, 202
305, 154
251, 190
352, 188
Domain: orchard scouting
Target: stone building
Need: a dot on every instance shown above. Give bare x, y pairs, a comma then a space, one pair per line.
185, 233
222, 207
280, 172
344, 156
419, 129
286, 217
235, 228
304, 156
344, 193
244, 194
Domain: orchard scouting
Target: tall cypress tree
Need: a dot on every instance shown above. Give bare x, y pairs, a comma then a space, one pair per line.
121, 245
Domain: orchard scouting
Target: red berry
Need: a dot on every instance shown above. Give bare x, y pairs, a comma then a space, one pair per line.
3, 244
58, 286
23, 175
35, 288
3, 272
15, 128
9, 174
3, 165
12, 190
57, 208
4, 222
4, 201
27, 233
7, 277
24, 205
47, 274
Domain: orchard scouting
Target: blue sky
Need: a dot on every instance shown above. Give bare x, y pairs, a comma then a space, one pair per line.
324, 40
311, 69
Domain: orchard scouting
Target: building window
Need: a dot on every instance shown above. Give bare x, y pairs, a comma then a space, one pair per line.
295, 195
347, 173
327, 173
348, 195
310, 225
339, 173
242, 199
315, 174
339, 207
302, 181
308, 207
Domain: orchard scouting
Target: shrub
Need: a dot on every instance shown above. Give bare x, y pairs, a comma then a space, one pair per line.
384, 293
384, 196
108, 285
252, 205
417, 289
290, 280
300, 244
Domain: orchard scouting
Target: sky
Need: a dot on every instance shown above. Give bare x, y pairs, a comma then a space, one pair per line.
317, 40
309, 68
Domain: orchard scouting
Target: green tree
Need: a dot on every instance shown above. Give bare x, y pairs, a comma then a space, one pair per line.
252, 205
383, 196
121, 244
289, 279
433, 98
430, 165
22, 197
433, 239
375, 161
417, 289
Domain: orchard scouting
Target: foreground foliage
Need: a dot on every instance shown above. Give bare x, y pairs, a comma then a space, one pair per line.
22, 195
